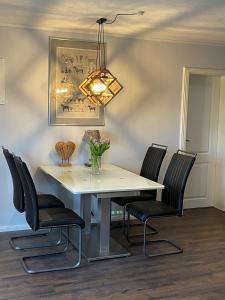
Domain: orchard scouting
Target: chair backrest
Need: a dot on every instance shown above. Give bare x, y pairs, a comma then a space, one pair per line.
153, 161
176, 178
18, 193
31, 201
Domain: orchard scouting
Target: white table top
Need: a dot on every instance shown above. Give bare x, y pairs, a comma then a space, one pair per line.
79, 180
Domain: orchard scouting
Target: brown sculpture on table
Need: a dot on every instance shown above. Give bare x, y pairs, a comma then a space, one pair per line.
65, 150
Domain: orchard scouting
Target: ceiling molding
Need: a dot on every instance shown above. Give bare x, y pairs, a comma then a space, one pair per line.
167, 37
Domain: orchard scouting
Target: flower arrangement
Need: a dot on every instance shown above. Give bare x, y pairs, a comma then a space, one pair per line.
97, 148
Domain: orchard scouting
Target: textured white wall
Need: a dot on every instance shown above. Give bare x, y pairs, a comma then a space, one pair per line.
146, 111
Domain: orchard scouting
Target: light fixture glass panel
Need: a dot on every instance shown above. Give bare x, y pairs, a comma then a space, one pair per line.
115, 87
103, 96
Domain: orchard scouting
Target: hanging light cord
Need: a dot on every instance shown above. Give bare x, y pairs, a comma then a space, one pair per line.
97, 61
103, 45
101, 59
101, 39
139, 13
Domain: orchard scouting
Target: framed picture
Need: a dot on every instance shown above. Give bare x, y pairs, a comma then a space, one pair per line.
70, 62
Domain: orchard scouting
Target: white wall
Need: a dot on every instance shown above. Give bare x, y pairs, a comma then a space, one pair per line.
146, 111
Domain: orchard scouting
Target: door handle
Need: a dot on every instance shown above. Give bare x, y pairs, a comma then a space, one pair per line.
187, 140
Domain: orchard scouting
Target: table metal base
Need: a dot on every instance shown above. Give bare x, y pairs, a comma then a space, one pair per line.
92, 249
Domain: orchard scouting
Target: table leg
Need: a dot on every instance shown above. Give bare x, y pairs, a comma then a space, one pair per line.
85, 202
98, 244
104, 214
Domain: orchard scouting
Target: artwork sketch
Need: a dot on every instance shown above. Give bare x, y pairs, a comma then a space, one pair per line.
72, 62
73, 66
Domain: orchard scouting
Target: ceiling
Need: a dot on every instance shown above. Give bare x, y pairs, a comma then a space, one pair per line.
198, 21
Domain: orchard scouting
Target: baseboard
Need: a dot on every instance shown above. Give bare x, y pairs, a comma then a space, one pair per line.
14, 227
195, 203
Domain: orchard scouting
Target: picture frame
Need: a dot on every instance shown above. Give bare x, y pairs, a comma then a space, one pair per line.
70, 62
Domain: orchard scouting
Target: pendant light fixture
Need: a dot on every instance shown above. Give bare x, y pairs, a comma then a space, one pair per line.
101, 86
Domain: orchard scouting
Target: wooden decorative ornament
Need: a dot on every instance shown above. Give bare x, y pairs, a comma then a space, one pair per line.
65, 150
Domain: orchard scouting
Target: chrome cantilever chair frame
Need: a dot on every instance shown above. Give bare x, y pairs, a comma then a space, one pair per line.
19, 205
146, 242
38, 235
77, 263
179, 212
153, 229
46, 218
133, 235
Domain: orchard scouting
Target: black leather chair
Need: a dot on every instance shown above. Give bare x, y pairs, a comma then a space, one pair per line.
150, 170
171, 203
46, 218
44, 200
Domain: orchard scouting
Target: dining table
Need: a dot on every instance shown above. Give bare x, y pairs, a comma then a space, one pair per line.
77, 186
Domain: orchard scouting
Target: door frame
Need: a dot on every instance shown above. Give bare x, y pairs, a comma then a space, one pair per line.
187, 72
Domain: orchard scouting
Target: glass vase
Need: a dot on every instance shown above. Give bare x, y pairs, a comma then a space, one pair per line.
96, 164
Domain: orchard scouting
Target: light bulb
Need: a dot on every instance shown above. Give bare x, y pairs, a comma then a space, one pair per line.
98, 87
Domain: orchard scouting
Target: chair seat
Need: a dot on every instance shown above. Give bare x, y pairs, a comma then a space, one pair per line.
145, 195
142, 210
58, 217
49, 201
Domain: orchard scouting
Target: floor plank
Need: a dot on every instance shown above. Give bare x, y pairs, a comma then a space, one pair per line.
198, 273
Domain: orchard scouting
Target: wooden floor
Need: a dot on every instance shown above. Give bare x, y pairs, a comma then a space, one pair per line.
198, 273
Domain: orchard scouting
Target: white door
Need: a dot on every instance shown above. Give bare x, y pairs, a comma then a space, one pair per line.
201, 137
